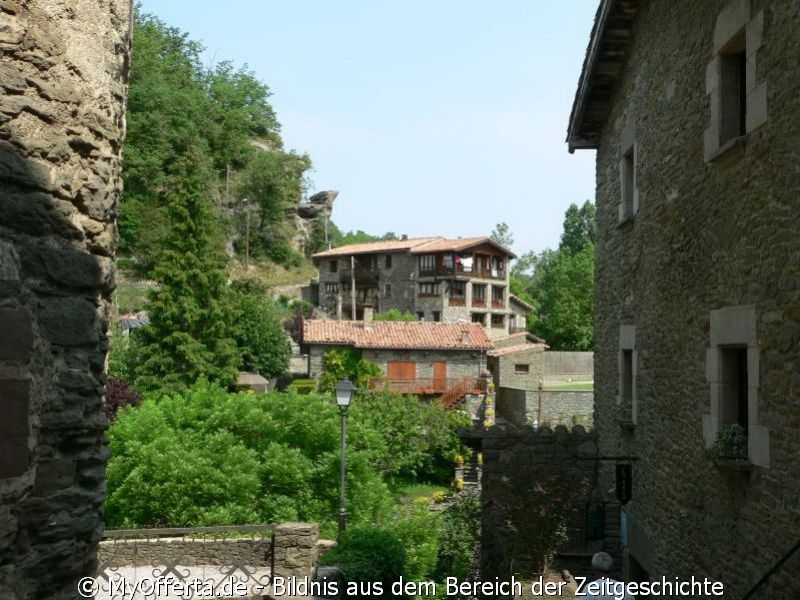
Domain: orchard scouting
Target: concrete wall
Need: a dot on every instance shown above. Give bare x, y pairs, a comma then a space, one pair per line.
568, 366
707, 236
63, 75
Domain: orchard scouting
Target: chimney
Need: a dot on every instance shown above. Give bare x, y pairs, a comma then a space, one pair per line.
464, 336
404, 237
368, 310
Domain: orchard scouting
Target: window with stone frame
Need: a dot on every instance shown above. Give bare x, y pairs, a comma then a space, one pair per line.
436, 315
627, 401
629, 193
522, 369
478, 317
498, 321
333, 266
498, 296
737, 98
387, 290
732, 371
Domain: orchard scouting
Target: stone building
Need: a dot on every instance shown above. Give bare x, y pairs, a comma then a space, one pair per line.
445, 359
435, 278
694, 111
63, 77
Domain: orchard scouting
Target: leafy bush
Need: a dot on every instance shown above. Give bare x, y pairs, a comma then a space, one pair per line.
346, 362
258, 331
459, 533
119, 394
369, 554
419, 534
395, 315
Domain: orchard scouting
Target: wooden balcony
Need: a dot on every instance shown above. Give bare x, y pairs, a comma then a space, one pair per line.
442, 271
456, 301
427, 386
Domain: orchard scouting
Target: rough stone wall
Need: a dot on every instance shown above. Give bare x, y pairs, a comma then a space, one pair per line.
568, 366
63, 75
706, 236
459, 364
514, 464
504, 368
562, 408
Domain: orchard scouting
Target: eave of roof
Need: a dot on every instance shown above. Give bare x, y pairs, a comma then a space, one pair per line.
602, 67
371, 247
459, 245
517, 349
520, 301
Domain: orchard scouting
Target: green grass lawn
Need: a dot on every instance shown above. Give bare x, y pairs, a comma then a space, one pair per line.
406, 492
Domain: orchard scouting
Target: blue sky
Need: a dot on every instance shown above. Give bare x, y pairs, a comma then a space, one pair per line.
443, 117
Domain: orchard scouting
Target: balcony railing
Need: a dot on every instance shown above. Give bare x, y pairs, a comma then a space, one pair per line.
455, 301
361, 274
498, 304
459, 270
424, 385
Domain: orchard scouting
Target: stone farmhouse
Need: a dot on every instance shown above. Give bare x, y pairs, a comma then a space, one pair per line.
426, 358
694, 112
435, 278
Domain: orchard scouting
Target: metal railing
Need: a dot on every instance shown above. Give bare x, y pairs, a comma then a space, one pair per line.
216, 556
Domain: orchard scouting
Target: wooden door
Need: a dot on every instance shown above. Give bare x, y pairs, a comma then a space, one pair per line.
439, 377
401, 375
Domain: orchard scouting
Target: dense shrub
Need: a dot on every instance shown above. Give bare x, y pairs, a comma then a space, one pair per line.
459, 535
368, 554
173, 459
418, 530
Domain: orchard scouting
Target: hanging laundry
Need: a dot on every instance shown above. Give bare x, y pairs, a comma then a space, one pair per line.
467, 263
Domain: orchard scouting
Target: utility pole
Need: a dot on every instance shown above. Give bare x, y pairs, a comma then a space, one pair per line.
246, 205
353, 286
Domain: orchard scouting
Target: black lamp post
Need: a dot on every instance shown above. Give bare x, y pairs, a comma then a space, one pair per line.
344, 394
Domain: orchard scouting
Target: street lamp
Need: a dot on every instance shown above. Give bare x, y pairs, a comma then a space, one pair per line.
344, 394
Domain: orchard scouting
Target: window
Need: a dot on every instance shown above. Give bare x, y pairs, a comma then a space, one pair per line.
437, 316
333, 266
421, 315
479, 318
498, 296
734, 386
427, 263
428, 289
387, 290
626, 398
629, 194
478, 294
388, 262
522, 369
732, 370
458, 289
738, 100
733, 90
331, 289
498, 321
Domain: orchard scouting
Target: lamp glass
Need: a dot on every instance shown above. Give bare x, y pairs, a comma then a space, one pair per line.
344, 392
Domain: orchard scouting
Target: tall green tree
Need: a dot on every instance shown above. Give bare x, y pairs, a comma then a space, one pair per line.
189, 335
502, 235
579, 228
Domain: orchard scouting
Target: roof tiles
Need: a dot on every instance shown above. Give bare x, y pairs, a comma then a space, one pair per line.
397, 334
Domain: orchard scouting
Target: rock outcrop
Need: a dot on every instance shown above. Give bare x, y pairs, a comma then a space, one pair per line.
306, 215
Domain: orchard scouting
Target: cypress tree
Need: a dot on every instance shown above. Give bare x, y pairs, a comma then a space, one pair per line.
189, 335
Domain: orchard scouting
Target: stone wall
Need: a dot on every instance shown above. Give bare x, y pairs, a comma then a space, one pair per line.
295, 551
708, 235
521, 407
568, 366
63, 74
518, 466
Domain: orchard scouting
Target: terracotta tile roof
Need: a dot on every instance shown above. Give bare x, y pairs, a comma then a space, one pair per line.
516, 349
370, 247
423, 245
457, 245
520, 301
397, 334
522, 335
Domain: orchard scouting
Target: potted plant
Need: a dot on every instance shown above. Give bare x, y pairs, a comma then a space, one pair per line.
458, 459
730, 447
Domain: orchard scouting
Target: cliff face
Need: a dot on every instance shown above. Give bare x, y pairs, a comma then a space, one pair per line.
306, 215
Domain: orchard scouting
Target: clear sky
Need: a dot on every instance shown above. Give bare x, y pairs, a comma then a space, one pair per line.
437, 117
